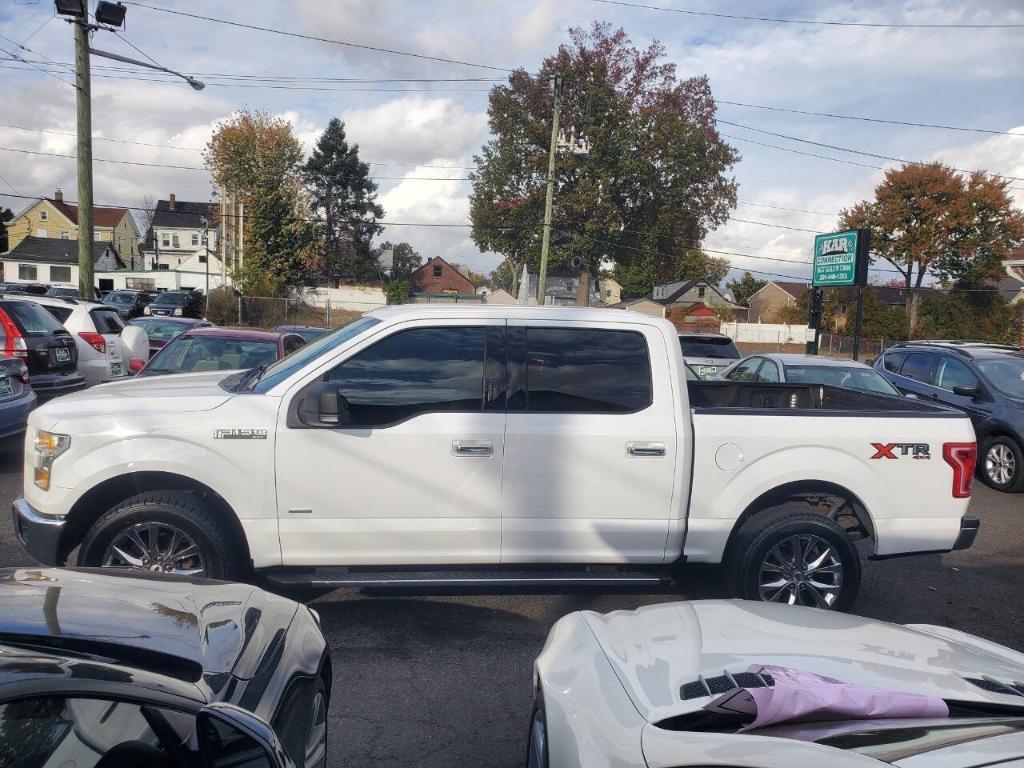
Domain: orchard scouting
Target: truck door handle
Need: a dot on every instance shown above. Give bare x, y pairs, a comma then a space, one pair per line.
472, 448
645, 449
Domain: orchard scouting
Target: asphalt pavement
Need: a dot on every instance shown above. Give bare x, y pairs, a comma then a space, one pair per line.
445, 682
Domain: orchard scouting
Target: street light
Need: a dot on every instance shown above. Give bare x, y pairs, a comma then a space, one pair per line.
196, 84
71, 8
111, 14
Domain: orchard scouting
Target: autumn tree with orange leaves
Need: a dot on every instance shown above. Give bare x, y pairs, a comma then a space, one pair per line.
930, 220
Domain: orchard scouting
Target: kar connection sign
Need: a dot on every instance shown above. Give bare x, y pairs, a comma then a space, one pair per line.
840, 258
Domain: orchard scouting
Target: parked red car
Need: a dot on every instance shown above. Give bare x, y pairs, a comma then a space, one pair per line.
221, 349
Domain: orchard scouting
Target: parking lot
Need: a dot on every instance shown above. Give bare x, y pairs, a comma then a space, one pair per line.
445, 681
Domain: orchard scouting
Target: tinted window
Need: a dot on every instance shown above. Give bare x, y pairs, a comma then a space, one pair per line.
107, 321
194, 354
291, 343
920, 366
174, 299
121, 297
721, 348
769, 372
1005, 374
161, 330
32, 319
954, 373
60, 313
893, 361
577, 370
852, 377
423, 370
745, 370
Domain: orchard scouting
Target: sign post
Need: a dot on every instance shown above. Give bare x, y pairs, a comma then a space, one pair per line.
840, 259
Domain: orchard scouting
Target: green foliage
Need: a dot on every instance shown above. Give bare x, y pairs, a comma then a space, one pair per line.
745, 287
6, 215
503, 276
973, 315
345, 202
275, 257
653, 181
406, 259
397, 291
694, 264
879, 320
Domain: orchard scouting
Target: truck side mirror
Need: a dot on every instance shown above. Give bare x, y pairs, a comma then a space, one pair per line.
230, 735
323, 405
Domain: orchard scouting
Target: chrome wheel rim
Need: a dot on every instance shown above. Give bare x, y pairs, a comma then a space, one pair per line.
316, 742
1000, 465
157, 548
801, 570
538, 743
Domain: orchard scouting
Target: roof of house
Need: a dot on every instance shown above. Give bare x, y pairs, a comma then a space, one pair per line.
101, 216
184, 214
689, 285
52, 250
437, 259
792, 287
1010, 287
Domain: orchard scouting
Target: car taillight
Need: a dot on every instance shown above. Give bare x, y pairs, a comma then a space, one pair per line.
136, 364
962, 458
15, 345
94, 340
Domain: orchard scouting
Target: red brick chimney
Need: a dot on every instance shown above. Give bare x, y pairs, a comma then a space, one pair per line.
58, 195
170, 201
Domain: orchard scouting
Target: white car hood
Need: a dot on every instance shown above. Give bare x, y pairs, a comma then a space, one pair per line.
178, 393
658, 648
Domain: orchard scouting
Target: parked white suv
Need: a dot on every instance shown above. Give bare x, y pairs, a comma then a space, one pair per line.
97, 331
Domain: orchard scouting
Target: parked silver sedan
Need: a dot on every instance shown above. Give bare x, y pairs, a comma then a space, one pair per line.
808, 369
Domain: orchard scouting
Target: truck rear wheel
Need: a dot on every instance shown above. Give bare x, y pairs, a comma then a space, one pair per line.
162, 532
792, 556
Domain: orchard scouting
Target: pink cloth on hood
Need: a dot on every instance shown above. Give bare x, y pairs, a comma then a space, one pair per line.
802, 696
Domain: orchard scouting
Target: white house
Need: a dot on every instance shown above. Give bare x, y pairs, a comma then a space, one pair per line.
178, 230
54, 261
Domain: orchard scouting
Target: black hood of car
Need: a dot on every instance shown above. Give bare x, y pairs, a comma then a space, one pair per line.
217, 629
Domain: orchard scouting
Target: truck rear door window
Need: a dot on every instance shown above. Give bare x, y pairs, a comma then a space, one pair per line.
579, 370
422, 370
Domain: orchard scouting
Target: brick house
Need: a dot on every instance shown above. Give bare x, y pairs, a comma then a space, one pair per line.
438, 276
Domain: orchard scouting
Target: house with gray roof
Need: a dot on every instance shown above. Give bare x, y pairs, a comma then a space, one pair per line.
55, 261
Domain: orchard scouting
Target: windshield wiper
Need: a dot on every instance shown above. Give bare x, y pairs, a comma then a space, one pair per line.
251, 377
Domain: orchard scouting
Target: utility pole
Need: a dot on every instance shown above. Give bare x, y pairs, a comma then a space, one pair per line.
86, 279
549, 197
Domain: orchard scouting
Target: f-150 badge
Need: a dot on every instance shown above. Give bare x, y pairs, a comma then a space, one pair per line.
889, 450
239, 434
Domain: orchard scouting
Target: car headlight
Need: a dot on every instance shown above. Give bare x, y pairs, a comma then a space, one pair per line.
145, 310
48, 446
177, 312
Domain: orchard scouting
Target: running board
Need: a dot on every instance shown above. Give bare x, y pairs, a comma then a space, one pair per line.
454, 579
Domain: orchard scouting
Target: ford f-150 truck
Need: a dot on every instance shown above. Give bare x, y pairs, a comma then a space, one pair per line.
509, 446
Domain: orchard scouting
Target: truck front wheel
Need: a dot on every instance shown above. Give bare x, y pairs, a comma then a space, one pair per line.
788, 555
162, 532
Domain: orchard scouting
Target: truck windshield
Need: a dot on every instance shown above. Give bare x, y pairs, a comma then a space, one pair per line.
721, 348
286, 366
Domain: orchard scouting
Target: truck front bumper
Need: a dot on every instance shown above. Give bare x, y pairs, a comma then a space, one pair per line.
969, 526
38, 533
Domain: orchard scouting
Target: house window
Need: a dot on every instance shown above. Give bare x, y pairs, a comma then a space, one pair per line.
174, 241
27, 272
60, 274
165, 240
65, 235
438, 269
43, 215
97, 235
195, 238
202, 259
700, 292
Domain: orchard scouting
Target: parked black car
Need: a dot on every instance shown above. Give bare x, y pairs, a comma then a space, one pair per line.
175, 304
103, 669
129, 304
984, 380
31, 334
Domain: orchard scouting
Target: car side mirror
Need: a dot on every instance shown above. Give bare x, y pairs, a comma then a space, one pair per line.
230, 735
971, 392
910, 395
323, 405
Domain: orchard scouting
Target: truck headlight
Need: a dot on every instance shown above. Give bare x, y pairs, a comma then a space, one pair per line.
48, 446
177, 313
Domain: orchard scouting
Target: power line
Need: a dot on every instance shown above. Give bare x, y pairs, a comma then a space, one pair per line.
817, 22
783, 208
16, 57
854, 151
314, 38
868, 119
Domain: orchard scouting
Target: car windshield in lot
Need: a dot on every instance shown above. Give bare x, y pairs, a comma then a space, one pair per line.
120, 297
718, 348
1005, 374
161, 330
852, 377
173, 299
194, 354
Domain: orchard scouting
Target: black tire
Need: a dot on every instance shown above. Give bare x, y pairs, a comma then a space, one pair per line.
175, 510
316, 755
768, 538
1001, 464
537, 751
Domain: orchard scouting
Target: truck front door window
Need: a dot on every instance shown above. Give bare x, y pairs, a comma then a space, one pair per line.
424, 370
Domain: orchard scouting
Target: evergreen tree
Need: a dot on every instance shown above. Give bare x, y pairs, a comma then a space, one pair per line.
345, 202
745, 287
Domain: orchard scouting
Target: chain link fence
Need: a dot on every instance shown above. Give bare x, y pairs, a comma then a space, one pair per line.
270, 312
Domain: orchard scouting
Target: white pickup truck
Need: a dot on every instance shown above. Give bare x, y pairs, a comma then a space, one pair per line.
507, 446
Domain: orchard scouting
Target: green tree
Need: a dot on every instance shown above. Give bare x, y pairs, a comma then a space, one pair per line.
256, 157
927, 219
344, 200
406, 259
652, 183
745, 287
6, 215
969, 315
503, 276
879, 320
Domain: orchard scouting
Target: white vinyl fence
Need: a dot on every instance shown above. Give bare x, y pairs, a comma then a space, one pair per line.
766, 333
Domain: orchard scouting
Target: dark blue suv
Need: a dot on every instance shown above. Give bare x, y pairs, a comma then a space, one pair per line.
986, 381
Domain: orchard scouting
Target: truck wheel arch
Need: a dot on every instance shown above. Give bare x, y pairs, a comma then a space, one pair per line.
100, 498
820, 496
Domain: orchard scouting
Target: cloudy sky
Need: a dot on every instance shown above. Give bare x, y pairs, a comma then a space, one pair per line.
421, 136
